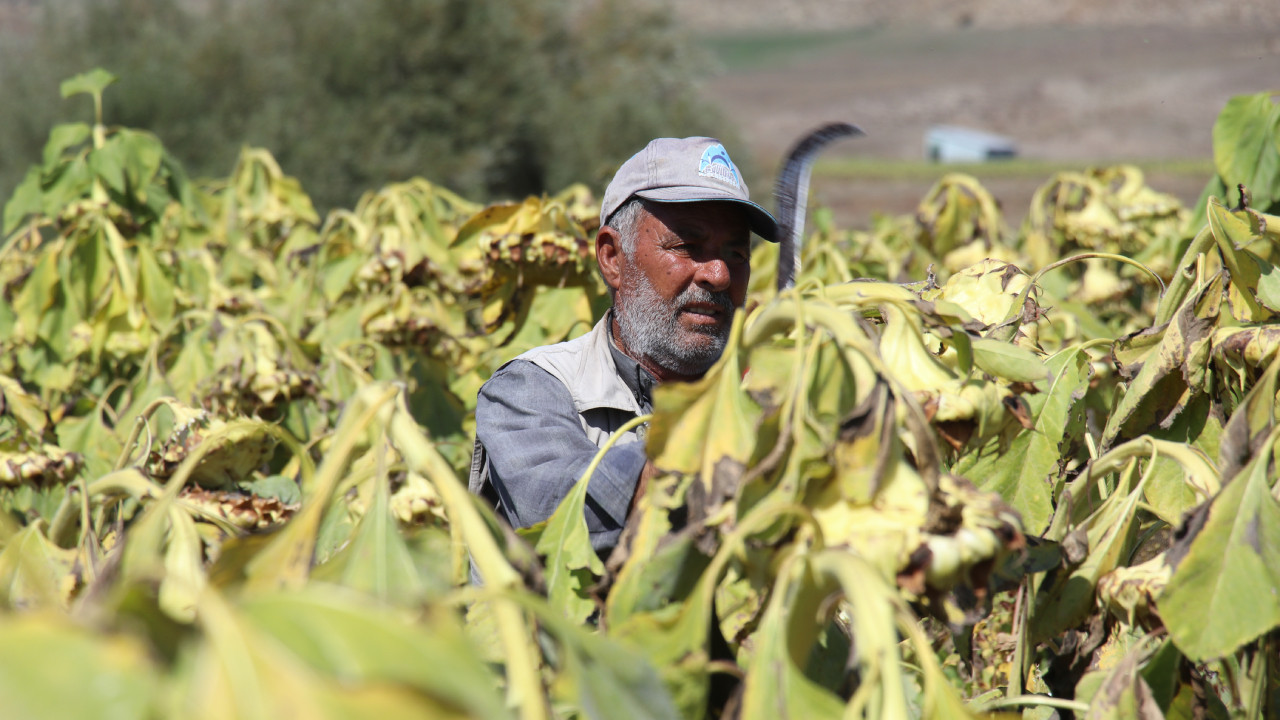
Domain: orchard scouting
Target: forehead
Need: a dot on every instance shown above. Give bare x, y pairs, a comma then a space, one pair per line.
709, 216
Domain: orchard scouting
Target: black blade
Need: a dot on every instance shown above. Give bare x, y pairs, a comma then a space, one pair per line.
792, 193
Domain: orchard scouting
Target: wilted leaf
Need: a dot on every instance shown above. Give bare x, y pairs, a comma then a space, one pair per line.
1066, 595
23, 407
34, 572
184, 576
1124, 694
714, 408
1161, 390
776, 686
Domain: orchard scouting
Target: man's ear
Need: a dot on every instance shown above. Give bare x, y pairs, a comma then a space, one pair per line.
609, 256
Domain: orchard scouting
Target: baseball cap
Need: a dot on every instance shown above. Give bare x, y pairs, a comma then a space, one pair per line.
694, 169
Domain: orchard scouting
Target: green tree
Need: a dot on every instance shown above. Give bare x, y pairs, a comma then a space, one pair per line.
488, 97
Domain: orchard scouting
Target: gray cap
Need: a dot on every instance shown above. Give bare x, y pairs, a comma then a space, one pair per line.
695, 169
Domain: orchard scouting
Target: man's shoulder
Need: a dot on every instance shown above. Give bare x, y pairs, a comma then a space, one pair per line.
572, 347
567, 359
583, 365
546, 363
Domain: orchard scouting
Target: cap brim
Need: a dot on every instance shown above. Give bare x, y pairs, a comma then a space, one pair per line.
760, 220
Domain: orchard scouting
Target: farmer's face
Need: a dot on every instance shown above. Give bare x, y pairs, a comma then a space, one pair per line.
677, 290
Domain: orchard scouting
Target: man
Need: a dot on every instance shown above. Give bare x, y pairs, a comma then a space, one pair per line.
674, 249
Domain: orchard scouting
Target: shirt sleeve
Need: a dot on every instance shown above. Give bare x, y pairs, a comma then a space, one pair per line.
537, 450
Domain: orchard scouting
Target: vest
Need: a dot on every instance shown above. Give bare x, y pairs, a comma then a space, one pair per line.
602, 399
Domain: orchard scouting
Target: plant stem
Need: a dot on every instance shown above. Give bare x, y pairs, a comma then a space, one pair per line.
1035, 701
1180, 285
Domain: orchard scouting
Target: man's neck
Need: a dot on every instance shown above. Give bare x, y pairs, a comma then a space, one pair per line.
634, 375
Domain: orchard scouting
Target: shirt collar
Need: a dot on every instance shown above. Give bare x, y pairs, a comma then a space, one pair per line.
638, 380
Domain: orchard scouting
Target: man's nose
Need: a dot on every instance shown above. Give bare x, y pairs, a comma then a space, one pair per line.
713, 274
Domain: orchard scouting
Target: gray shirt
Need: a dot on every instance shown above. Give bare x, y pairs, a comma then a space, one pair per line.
536, 448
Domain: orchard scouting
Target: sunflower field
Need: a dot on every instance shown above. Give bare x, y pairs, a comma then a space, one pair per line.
960, 470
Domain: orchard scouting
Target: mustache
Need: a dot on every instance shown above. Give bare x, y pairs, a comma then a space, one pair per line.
698, 294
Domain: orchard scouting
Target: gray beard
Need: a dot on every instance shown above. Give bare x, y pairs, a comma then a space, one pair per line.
650, 327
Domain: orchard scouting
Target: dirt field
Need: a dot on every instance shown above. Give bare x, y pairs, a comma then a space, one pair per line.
1064, 93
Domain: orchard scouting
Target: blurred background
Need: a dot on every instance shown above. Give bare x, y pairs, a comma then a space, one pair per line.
500, 98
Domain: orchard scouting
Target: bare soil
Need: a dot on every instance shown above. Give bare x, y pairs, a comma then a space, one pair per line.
1076, 93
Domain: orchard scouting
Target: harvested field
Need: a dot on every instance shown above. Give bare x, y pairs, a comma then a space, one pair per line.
1074, 94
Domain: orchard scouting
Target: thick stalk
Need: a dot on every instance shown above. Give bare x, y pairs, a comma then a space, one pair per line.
1180, 285
524, 689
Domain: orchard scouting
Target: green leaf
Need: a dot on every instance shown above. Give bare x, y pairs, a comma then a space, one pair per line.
89, 83
1226, 590
1124, 694
1268, 284
27, 200
184, 576
1169, 489
336, 275
1023, 475
671, 565
142, 155
1163, 673
1232, 232
571, 563
1251, 423
89, 276
279, 487
1244, 146
88, 436
964, 352
1008, 361
193, 365
62, 138
102, 676
376, 561
155, 287
286, 560
612, 682
343, 635
68, 182
107, 163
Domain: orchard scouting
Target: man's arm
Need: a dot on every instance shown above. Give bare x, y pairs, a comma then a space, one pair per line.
537, 450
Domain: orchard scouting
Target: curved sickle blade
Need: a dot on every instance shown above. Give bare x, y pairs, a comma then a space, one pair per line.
792, 193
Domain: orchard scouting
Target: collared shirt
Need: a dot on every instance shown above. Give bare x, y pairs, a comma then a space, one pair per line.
639, 381
536, 449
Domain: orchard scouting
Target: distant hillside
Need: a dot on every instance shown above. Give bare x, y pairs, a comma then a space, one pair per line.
750, 15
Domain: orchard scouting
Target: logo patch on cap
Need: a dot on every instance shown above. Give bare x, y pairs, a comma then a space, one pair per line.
715, 163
